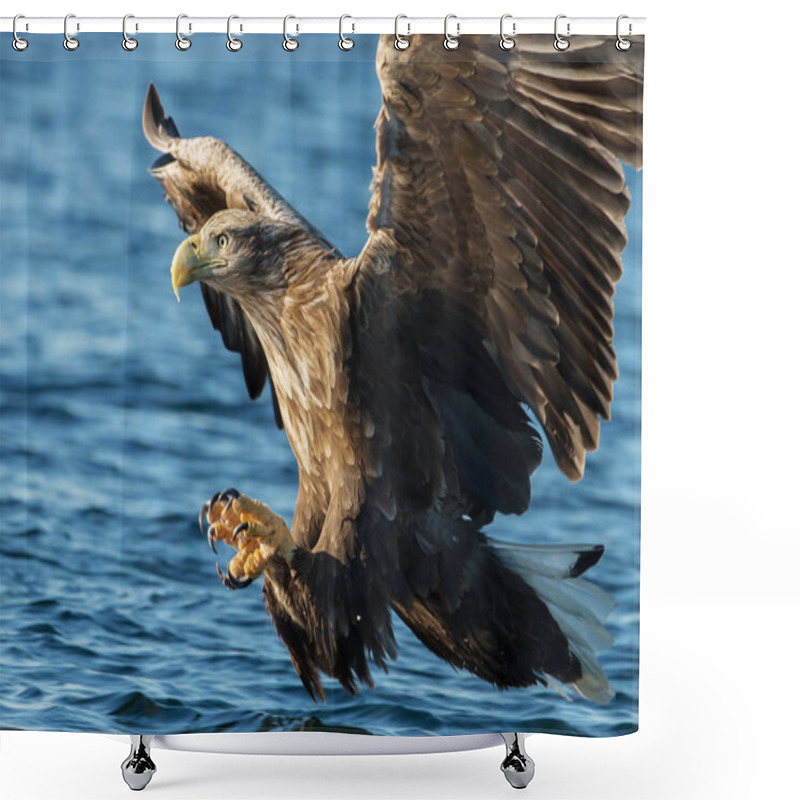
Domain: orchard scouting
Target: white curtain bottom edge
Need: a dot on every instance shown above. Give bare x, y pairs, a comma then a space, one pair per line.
307, 743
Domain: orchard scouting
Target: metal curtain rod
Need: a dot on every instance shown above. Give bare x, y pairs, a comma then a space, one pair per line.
354, 25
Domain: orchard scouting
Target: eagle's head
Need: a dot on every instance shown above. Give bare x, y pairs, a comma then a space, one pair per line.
238, 252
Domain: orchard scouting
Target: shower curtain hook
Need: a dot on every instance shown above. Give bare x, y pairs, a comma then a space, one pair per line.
561, 43
70, 42
507, 42
623, 44
128, 42
181, 42
290, 44
451, 42
19, 44
345, 42
233, 44
400, 42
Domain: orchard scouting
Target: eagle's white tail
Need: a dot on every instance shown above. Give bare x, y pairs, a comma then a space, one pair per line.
577, 605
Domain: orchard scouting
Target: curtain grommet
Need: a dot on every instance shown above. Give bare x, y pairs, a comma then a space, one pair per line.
451, 42
70, 42
507, 42
129, 43
401, 42
233, 44
18, 43
290, 44
561, 43
345, 42
181, 42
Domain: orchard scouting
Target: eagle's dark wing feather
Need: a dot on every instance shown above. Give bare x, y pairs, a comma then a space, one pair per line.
238, 335
499, 188
201, 176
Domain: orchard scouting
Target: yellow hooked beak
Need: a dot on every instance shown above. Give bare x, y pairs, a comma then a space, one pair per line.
189, 265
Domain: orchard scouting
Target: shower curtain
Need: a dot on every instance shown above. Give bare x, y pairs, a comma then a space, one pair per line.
413, 448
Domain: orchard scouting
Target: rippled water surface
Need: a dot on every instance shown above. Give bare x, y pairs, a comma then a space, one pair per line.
122, 412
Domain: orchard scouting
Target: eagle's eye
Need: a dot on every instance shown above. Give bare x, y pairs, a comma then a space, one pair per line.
222, 241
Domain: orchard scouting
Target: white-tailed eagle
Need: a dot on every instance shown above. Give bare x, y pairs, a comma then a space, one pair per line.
403, 377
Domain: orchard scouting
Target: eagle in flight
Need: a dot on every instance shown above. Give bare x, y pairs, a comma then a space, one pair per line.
406, 378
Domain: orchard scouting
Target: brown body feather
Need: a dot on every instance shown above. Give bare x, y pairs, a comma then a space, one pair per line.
402, 376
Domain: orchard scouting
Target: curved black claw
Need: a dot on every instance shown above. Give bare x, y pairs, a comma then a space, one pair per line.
228, 495
229, 582
228, 504
239, 530
203, 515
210, 536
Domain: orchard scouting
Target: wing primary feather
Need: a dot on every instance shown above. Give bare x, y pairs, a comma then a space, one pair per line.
159, 129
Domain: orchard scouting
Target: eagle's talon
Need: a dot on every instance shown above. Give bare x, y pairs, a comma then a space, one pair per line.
229, 582
250, 528
203, 516
211, 536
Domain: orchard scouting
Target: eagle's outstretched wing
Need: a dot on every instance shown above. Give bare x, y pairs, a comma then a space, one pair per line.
201, 176
499, 187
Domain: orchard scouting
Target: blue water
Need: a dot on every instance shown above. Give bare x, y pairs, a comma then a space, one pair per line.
121, 412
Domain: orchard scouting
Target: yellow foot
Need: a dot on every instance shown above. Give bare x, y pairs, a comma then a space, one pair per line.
251, 529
